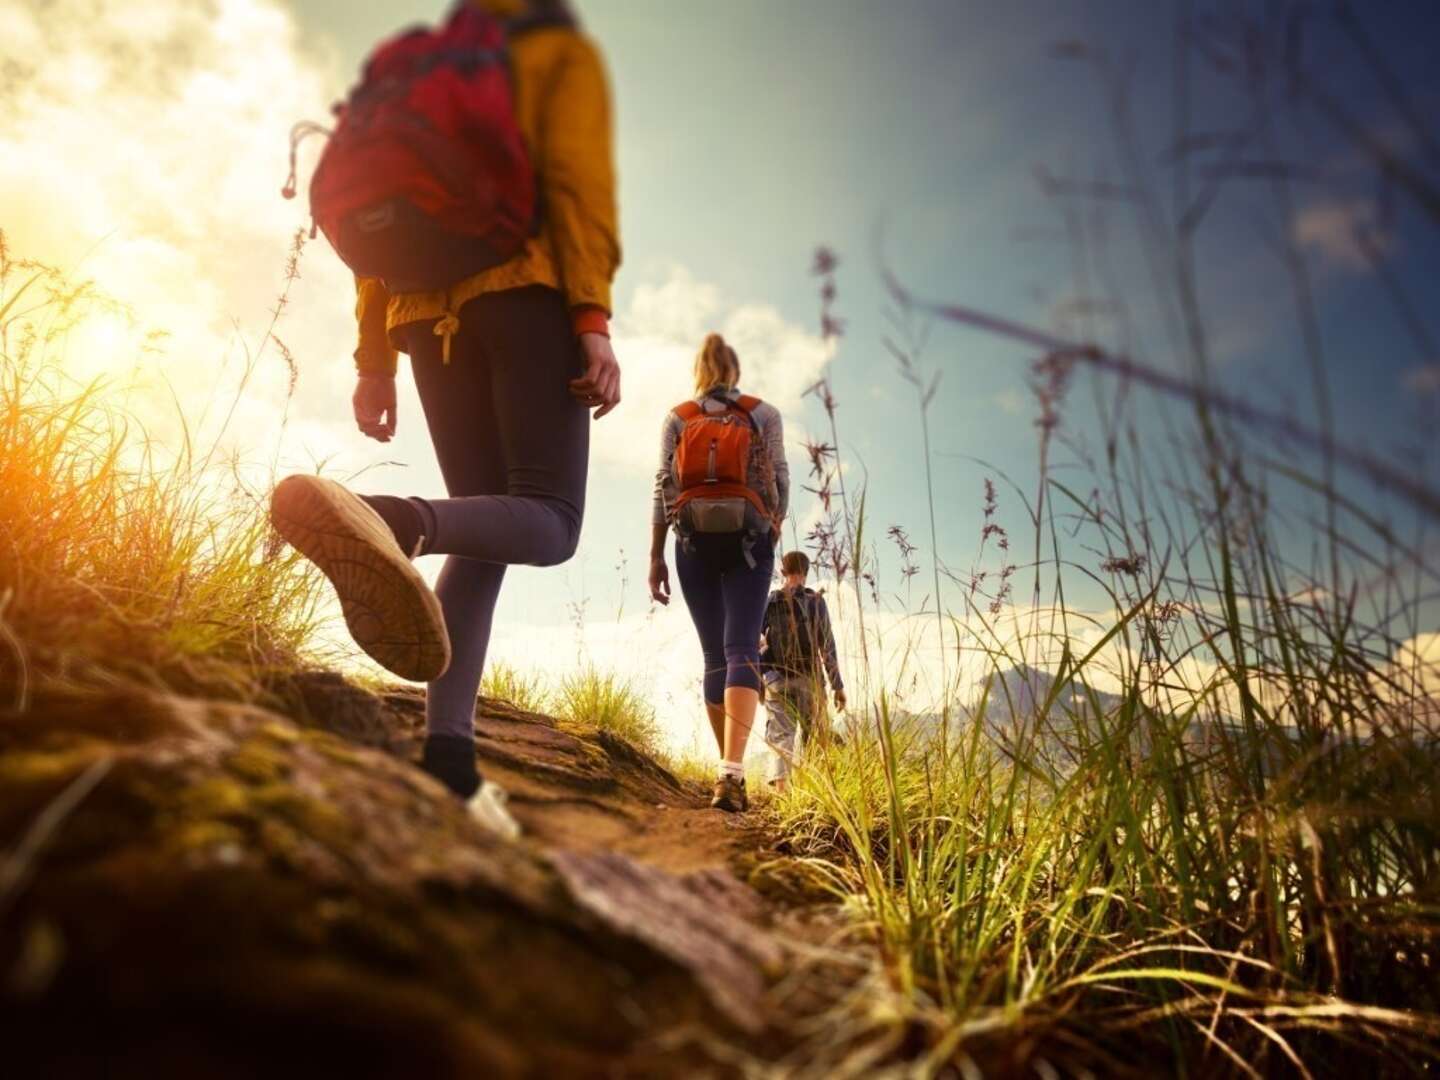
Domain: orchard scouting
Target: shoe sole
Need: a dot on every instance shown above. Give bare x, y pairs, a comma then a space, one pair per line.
390, 611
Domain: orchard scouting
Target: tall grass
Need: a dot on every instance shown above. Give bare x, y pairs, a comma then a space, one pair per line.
589, 699
1209, 841
116, 560
1247, 889
526, 690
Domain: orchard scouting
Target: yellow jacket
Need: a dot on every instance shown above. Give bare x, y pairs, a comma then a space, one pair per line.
562, 103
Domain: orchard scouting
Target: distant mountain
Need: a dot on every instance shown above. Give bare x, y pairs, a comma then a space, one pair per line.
1013, 698
1012, 715
1011, 706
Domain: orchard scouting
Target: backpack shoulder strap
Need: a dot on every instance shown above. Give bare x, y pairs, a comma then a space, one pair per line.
524, 24
688, 410
745, 405
535, 17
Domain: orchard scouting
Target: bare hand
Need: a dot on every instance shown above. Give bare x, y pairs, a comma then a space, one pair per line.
599, 387
374, 403
840, 701
659, 582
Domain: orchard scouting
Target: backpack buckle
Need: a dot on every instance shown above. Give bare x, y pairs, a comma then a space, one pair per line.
375, 218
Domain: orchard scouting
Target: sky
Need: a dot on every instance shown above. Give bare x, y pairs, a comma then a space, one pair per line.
142, 143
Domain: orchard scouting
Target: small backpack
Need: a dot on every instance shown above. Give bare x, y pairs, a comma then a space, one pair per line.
718, 458
426, 179
789, 635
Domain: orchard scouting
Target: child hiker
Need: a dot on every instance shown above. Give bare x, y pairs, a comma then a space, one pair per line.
799, 654
723, 485
469, 183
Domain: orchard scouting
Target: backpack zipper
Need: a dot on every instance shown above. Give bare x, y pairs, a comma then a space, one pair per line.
713, 465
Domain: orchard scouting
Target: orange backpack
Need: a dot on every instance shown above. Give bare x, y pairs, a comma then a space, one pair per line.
716, 458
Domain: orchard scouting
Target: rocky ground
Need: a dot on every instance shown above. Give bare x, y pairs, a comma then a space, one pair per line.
196, 888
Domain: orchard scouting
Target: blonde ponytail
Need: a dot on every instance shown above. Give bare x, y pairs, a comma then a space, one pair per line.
716, 366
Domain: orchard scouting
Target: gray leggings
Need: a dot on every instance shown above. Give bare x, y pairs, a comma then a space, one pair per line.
514, 448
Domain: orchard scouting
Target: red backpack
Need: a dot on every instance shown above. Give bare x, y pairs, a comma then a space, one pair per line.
719, 459
426, 179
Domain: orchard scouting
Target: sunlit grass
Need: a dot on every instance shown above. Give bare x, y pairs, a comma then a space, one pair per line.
590, 699
119, 561
690, 769
525, 690
1171, 892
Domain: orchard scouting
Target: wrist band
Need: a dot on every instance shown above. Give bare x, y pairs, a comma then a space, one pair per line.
590, 319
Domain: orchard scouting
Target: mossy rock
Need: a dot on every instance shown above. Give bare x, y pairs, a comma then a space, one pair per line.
240, 894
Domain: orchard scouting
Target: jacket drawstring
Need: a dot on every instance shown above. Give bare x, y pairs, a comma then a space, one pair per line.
446, 329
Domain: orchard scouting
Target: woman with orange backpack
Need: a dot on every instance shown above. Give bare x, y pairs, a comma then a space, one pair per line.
469, 184
724, 486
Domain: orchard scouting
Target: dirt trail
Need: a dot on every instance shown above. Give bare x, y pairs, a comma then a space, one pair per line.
238, 874
582, 792
567, 796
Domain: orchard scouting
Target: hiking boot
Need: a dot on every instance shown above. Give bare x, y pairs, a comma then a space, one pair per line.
489, 807
390, 611
730, 795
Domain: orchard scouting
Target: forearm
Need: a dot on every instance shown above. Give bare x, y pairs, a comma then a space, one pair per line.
657, 541
830, 655
831, 660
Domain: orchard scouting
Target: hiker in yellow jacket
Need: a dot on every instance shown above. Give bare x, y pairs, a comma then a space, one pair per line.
563, 106
508, 364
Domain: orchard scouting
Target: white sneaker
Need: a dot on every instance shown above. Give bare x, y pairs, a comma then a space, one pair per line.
488, 807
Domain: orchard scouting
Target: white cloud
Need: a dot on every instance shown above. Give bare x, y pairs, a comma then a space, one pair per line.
1415, 665
656, 338
143, 146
